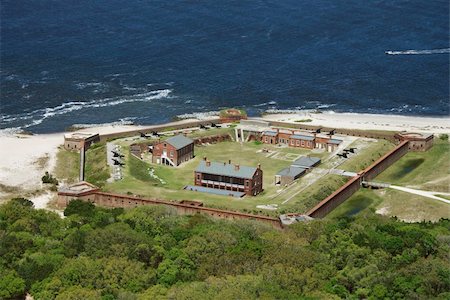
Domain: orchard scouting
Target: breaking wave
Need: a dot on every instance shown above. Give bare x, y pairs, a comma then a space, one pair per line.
265, 104
418, 52
38, 116
122, 121
199, 115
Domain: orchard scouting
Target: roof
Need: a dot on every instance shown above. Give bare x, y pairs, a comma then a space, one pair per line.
179, 141
306, 162
292, 171
214, 191
80, 135
270, 133
225, 169
302, 137
334, 141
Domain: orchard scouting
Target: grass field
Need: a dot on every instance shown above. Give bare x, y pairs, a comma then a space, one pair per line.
405, 206
425, 170
137, 181
367, 156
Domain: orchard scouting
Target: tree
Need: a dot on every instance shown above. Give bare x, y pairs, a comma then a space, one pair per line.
11, 284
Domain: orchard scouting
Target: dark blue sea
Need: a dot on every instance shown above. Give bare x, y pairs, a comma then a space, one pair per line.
92, 62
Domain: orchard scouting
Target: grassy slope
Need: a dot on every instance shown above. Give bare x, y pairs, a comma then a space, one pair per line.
67, 165
97, 170
366, 157
427, 170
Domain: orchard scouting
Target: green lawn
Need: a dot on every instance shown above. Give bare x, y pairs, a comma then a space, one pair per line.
428, 170
366, 156
137, 181
405, 206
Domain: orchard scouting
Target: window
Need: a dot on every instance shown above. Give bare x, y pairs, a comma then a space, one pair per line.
171, 153
198, 176
298, 143
165, 145
292, 142
303, 143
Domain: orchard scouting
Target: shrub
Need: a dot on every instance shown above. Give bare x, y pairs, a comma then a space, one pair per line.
48, 178
443, 137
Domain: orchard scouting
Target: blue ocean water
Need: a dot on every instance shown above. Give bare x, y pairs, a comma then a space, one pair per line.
65, 62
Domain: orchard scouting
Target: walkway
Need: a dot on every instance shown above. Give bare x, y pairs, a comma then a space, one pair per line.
428, 194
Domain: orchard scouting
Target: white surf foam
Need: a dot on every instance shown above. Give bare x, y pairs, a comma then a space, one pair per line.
38, 116
418, 52
199, 115
265, 104
122, 121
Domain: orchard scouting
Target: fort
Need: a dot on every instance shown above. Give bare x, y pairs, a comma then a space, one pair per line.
405, 142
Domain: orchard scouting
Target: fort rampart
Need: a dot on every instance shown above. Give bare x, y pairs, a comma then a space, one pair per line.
157, 128
353, 132
353, 185
114, 200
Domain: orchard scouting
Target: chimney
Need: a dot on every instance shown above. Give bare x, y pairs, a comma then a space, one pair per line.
236, 167
259, 166
278, 130
224, 163
204, 158
208, 163
229, 161
292, 132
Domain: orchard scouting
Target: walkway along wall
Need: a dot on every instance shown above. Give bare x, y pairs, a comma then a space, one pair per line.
157, 128
390, 136
353, 185
125, 201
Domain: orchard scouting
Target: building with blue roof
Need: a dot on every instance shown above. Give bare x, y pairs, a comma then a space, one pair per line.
228, 176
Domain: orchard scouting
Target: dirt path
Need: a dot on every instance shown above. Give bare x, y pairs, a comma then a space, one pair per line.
428, 194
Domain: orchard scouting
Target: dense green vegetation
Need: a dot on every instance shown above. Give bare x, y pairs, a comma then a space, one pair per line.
151, 253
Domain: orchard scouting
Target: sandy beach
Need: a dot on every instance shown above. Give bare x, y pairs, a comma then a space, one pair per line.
435, 125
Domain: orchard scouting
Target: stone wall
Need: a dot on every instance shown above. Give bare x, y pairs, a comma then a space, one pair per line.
336, 198
354, 184
125, 201
385, 161
353, 132
157, 128
212, 139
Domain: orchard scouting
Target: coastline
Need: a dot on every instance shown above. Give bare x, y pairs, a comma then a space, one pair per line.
25, 158
364, 121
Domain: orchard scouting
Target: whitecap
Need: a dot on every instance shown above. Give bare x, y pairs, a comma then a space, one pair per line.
199, 115
418, 52
38, 116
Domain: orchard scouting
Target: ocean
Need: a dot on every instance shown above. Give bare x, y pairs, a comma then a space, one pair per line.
107, 61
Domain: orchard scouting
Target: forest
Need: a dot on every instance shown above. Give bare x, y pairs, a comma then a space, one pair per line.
150, 252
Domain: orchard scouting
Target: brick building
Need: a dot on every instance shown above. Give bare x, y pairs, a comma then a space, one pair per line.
173, 151
78, 140
228, 176
301, 140
417, 141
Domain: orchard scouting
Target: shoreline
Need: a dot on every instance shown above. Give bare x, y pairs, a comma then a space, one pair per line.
25, 158
364, 121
